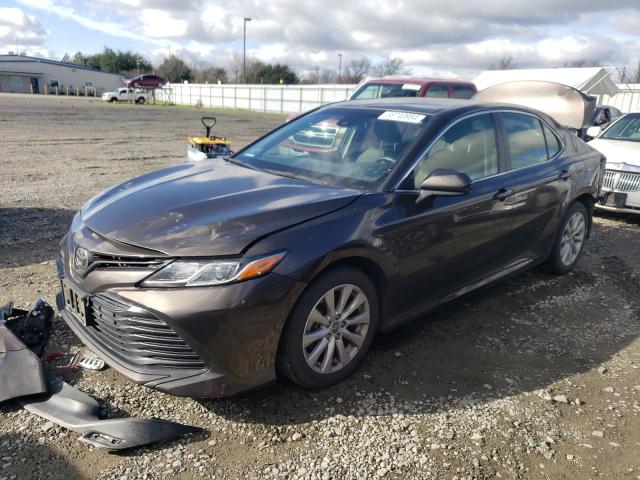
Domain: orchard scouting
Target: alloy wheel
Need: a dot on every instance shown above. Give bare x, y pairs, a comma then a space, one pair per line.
572, 238
336, 328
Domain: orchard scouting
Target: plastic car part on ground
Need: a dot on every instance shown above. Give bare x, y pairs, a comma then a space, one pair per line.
22, 377
30, 326
209, 146
88, 362
20, 369
75, 410
23, 335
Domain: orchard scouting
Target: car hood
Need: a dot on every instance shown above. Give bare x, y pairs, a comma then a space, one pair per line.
210, 208
621, 154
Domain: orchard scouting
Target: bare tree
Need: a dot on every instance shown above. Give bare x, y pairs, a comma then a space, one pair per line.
505, 63
583, 63
356, 70
392, 66
209, 75
628, 74
316, 76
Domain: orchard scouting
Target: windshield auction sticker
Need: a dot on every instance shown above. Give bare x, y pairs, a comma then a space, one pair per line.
405, 117
411, 86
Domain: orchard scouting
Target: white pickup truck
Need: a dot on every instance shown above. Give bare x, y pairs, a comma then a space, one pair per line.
125, 95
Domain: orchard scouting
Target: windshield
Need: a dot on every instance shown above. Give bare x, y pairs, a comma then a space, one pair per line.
627, 128
383, 90
338, 146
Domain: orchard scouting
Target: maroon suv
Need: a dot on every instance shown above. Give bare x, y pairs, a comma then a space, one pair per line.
146, 81
413, 87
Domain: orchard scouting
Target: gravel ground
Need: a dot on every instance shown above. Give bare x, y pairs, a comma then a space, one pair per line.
536, 377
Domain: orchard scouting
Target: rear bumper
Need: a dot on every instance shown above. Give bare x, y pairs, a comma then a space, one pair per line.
234, 329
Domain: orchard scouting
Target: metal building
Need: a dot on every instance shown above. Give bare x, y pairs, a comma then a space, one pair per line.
23, 74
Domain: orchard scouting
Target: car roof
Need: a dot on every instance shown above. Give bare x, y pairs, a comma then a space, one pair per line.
420, 80
427, 105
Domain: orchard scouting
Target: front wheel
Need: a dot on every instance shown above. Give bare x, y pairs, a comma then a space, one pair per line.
141, 100
570, 239
330, 329
113, 100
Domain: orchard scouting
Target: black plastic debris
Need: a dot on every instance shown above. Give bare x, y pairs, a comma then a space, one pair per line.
32, 327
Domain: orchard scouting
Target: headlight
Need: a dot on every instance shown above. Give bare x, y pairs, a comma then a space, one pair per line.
197, 273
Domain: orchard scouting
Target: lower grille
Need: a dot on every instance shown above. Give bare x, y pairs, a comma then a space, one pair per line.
136, 336
621, 181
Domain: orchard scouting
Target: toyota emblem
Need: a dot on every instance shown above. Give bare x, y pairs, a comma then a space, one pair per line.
81, 259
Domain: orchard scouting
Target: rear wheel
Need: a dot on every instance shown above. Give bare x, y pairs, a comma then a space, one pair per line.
330, 329
141, 100
570, 239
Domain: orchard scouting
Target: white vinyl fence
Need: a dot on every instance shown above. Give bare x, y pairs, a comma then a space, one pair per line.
627, 100
300, 98
257, 98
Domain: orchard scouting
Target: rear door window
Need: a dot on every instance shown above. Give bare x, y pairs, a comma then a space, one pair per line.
438, 91
463, 91
526, 140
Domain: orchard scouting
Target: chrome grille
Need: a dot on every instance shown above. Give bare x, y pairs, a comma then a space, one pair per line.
621, 181
136, 336
99, 260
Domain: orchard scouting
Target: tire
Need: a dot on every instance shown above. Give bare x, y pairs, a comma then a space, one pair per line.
574, 226
141, 100
297, 362
113, 100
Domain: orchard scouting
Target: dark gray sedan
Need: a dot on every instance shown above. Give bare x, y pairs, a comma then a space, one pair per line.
212, 278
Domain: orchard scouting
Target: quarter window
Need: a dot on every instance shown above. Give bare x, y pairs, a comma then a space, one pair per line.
469, 146
526, 139
553, 144
438, 91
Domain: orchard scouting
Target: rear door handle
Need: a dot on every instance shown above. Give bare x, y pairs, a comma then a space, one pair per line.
564, 175
503, 194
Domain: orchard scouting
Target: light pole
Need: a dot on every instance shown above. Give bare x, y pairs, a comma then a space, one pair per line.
339, 66
244, 50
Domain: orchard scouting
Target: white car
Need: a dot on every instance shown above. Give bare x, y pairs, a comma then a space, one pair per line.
125, 95
620, 143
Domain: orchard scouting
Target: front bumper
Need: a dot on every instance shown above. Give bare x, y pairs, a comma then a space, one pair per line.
623, 188
228, 335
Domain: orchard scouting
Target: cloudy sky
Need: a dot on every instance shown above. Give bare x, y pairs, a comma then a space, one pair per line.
453, 38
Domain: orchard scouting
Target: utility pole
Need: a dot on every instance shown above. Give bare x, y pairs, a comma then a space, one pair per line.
244, 50
339, 66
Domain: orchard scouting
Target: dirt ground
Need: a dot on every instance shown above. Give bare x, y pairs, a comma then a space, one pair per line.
537, 377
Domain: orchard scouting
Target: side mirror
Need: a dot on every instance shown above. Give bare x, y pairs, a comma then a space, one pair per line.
443, 181
594, 131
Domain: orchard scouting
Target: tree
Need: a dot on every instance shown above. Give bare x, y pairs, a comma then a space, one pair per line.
109, 60
392, 66
583, 62
209, 75
276, 73
505, 63
174, 69
316, 76
356, 70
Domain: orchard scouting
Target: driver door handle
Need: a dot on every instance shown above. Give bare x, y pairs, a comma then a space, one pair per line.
503, 194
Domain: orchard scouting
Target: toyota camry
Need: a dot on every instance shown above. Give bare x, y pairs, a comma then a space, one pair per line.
285, 259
